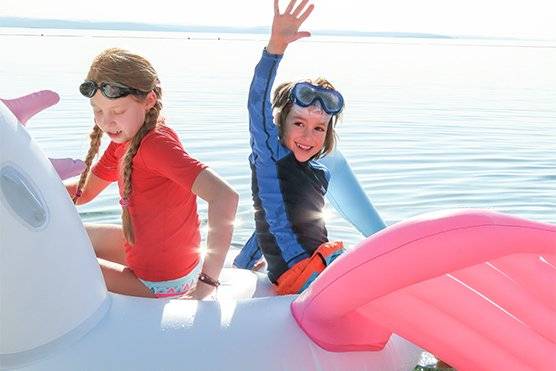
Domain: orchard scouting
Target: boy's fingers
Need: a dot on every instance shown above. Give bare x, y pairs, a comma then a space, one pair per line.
301, 35
290, 7
299, 8
306, 13
276, 7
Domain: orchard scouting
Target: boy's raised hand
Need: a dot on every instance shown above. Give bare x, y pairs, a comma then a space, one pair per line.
285, 27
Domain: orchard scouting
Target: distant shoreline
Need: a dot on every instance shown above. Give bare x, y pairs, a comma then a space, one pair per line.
17, 22
191, 32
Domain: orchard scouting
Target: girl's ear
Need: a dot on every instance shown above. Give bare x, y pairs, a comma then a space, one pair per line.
150, 100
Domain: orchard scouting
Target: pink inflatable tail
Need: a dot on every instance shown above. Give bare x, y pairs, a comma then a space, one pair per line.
476, 288
27, 106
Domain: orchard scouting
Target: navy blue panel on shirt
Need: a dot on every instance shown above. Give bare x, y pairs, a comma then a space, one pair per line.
288, 196
302, 188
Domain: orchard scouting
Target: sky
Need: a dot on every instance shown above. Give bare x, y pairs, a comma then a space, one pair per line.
490, 18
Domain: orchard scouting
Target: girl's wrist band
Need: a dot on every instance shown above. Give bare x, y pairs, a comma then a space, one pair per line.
205, 278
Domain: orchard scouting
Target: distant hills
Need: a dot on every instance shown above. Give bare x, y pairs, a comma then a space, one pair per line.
133, 26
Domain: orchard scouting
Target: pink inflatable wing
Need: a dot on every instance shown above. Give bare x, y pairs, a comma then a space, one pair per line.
476, 288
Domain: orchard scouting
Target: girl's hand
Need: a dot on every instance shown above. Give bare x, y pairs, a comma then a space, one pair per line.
201, 291
285, 27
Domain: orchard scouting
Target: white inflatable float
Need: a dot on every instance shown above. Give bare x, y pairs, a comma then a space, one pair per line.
56, 314
474, 287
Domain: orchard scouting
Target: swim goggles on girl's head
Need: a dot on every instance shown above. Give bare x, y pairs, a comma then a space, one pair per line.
110, 90
305, 94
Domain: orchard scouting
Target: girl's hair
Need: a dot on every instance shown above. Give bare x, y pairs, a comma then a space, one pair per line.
123, 67
282, 104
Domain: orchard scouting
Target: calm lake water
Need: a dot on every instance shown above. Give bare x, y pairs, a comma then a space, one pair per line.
429, 124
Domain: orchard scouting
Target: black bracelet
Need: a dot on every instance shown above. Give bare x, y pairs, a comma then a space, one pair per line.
205, 278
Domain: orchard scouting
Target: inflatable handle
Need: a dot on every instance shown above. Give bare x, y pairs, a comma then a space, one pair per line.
67, 167
411, 278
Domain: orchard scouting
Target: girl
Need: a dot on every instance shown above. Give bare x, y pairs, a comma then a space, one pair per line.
155, 253
288, 185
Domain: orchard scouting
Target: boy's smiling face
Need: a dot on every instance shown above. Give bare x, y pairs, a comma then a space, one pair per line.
305, 130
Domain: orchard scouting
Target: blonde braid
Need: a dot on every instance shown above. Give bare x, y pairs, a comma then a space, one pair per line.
95, 136
151, 119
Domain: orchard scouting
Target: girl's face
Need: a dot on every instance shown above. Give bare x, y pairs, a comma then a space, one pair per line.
304, 131
121, 118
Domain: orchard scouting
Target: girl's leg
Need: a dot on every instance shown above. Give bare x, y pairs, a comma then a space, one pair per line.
108, 241
121, 280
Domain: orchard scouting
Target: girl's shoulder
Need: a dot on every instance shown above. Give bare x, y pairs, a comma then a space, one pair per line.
160, 135
158, 142
161, 132
162, 150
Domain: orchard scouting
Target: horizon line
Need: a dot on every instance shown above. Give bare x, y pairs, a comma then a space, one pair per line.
84, 24
53, 23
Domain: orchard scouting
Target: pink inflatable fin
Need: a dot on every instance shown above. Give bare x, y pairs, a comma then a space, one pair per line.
67, 167
475, 288
27, 106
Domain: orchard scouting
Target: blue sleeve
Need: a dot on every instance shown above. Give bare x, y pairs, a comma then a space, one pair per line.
249, 254
347, 196
266, 151
265, 143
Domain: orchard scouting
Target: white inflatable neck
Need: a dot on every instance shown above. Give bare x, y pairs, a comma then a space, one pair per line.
50, 281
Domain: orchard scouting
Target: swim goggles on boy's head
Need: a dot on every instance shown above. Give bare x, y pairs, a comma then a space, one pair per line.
110, 90
305, 94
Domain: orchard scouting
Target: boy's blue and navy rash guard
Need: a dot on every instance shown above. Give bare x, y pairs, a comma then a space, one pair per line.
288, 195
